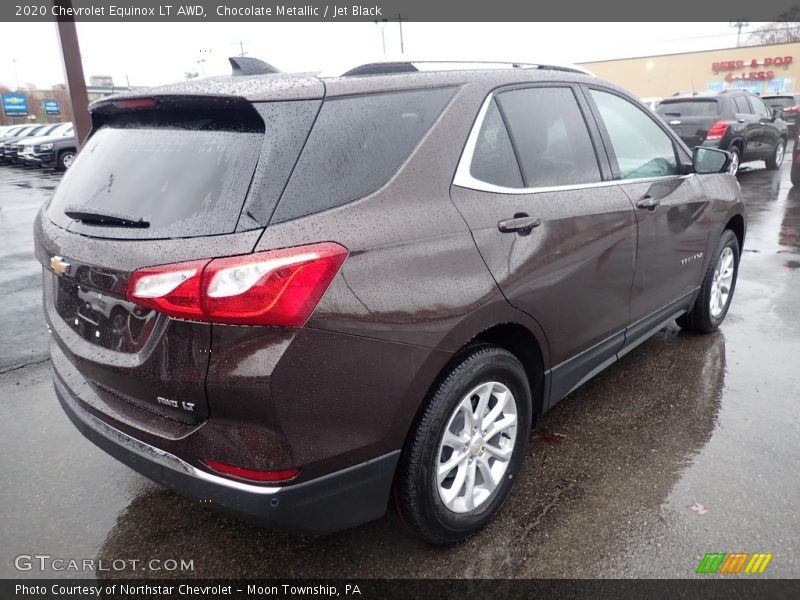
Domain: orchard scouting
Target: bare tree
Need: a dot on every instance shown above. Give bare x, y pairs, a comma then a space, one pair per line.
783, 31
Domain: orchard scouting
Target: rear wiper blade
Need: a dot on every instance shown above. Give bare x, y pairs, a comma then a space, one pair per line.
105, 218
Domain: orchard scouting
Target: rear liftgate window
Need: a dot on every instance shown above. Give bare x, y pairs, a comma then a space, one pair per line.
183, 175
356, 145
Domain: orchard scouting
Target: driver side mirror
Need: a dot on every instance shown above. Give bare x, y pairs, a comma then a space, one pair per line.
710, 160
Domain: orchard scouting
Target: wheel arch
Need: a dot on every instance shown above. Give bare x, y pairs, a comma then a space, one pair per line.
736, 224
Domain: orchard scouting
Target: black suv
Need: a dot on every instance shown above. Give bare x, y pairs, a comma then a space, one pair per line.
733, 120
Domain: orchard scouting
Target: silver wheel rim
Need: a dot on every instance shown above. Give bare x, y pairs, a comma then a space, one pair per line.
721, 282
734, 168
68, 158
476, 447
779, 152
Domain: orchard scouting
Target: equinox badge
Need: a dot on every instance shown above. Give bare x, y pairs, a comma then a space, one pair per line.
59, 265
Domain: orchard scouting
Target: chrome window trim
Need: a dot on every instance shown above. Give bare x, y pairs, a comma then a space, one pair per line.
463, 178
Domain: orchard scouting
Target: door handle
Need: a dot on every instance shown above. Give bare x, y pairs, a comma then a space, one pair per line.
521, 224
648, 202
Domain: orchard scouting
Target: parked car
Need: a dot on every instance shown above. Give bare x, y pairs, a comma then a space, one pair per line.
787, 106
375, 282
733, 120
7, 142
56, 150
9, 130
13, 148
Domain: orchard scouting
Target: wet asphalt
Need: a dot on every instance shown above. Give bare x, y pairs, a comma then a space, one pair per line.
689, 444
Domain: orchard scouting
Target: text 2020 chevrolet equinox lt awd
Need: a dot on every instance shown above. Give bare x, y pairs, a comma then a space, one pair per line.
295, 296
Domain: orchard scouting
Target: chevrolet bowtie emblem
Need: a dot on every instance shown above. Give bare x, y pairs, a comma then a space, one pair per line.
59, 265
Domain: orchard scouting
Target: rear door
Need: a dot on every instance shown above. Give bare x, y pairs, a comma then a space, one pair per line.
557, 234
672, 209
748, 126
766, 132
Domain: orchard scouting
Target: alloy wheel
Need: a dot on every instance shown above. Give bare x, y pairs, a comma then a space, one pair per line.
476, 447
721, 282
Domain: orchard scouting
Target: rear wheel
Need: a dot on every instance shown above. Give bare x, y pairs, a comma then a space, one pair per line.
775, 160
716, 291
460, 463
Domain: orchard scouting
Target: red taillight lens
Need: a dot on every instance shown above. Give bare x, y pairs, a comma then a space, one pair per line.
134, 103
171, 289
791, 109
252, 474
278, 287
717, 130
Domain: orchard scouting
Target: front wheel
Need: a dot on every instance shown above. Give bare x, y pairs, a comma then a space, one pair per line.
716, 291
460, 463
736, 158
775, 160
796, 174
65, 160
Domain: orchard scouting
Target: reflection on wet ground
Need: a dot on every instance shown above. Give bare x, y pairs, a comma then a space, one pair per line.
687, 445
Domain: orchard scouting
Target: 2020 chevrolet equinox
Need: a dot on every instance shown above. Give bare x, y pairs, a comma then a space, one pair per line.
294, 296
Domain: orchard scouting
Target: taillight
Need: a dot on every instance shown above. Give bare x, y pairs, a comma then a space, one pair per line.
134, 103
277, 287
791, 109
252, 474
717, 130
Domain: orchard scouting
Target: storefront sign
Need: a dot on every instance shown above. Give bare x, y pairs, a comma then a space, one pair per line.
735, 65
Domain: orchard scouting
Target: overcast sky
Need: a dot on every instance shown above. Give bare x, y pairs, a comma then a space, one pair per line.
151, 54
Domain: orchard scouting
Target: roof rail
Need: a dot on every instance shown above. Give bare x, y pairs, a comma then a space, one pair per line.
387, 68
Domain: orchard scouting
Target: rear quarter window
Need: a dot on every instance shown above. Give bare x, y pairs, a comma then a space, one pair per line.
356, 145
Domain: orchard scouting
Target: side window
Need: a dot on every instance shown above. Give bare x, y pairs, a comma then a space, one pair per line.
760, 108
641, 147
550, 136
742, 106
493, 160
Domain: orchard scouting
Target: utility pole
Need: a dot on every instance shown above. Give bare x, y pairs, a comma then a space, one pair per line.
739, 26
400, 23
73, 73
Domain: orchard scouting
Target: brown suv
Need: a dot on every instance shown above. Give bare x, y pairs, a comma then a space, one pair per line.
292, 296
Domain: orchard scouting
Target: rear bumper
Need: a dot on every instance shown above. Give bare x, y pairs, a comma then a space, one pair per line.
323, 505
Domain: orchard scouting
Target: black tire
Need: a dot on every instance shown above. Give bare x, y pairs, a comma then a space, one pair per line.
65, 159
736, 160
775, 160
796, 174
417, 493
700, 319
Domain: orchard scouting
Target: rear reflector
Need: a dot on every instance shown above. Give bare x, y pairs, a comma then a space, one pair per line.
252, 474
278, 287
717, 130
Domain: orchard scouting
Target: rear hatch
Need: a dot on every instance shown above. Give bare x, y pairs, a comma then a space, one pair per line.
160, 180
690, 118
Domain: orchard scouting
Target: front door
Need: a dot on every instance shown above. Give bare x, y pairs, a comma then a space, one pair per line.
672, 209
557, 234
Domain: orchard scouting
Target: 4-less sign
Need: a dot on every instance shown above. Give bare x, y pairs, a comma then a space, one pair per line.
766, 65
